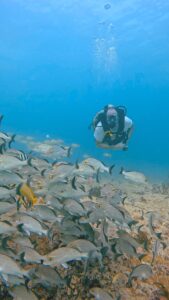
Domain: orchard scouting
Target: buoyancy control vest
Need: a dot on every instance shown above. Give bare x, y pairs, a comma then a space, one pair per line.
101, 117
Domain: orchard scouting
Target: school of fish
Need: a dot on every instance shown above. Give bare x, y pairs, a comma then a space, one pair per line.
65, 224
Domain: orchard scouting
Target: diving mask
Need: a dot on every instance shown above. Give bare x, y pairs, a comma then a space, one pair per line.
111, 120
111, 117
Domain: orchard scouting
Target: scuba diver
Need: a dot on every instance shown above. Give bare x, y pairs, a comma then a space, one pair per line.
112, 128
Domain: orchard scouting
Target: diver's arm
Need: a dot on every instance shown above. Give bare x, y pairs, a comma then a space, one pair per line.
102, 145
97, 118
130, 131
119, 146
99, 133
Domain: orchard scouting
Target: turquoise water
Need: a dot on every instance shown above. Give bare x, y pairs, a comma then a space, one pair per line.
62, 61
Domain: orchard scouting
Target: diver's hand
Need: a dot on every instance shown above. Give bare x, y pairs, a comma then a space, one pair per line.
125, 148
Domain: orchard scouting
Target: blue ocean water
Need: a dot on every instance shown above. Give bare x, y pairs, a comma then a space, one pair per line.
62, 61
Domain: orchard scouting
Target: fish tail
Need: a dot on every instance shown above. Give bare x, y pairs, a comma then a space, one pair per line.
22, 255
43, 172
73, 183
4, 242
76, 164
54, 163
20, 228
2, 147
12, 140
18, 189
129, 283
97, 175
1, 118
141, 256
121, 171
29, 162
158, 234
27, 276
69, 151
23, 156
111, 169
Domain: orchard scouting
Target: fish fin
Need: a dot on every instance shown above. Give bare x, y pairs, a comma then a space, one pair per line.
26, 282
141, 256
30, 164
30, 154
45, 159
117, 255
129, 282
158, 234
18, 188
54, 162
18, 203
4, 279
133, 222
20, 227
7, 187
104, 250
92, 167
120, 210
113, 248
103, 163
82, 188
17, 173
27, 278
7, 222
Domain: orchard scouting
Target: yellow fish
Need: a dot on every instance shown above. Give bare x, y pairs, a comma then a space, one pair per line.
26, 195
